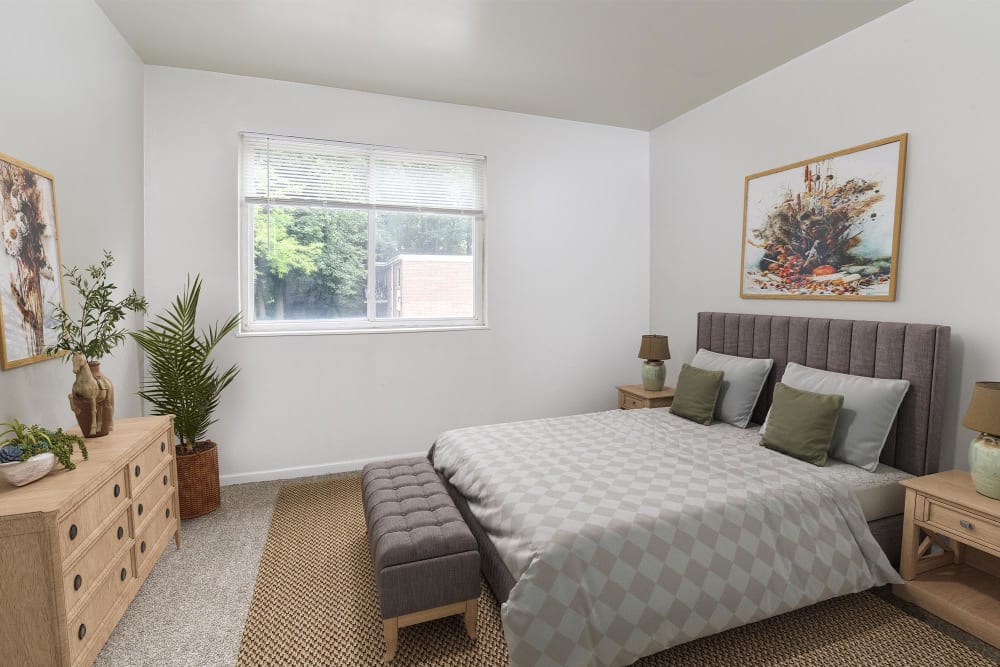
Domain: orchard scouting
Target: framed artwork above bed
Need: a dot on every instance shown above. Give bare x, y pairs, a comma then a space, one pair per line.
826, 227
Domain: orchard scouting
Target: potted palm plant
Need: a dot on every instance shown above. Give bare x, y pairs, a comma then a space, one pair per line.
90, 336
183, 381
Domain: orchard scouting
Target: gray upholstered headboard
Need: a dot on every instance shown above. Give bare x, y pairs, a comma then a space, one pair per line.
915, 352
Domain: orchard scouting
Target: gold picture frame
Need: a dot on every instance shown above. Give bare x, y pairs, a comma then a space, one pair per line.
827, 227
30, 263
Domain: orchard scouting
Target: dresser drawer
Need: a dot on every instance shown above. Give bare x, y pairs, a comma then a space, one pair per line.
961, 523
161, 518
86, 625
80, 523
82, 574
142, 466
149, 496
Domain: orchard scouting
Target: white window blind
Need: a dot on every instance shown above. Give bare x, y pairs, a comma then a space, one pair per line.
311, 172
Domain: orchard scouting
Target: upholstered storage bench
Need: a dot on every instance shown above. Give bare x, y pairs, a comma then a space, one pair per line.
425, 557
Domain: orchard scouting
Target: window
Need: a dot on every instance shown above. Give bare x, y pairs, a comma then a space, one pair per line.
349, 237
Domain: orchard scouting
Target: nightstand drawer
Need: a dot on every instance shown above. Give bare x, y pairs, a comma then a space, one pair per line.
630, 402
961, 523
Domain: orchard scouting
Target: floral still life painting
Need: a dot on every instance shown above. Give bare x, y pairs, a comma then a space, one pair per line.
30, 278
826, 228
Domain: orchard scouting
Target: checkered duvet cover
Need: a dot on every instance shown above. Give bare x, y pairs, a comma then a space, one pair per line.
632, 531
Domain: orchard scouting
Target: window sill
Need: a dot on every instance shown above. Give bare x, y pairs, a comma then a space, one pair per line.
371, 330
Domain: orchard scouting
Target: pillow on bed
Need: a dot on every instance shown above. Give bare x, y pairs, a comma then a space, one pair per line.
802, 423
741, 385
870, 406
696, 394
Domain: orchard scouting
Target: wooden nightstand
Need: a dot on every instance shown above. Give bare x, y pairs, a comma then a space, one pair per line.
959, 580
631, 396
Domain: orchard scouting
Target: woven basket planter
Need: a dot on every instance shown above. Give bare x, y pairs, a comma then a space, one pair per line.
198, 480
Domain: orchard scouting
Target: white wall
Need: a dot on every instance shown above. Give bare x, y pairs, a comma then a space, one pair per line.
567, 272
71, 105
922, 69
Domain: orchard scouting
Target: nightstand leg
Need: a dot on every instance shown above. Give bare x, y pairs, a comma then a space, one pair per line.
911, 539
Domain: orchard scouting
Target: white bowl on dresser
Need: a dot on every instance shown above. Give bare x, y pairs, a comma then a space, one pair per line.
19, 473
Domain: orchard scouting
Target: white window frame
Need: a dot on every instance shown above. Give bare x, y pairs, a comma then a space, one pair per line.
371, 324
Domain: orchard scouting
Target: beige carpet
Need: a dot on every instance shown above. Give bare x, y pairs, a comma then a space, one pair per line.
314, 603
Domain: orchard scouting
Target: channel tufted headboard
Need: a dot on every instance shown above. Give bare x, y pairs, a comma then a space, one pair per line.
915, 352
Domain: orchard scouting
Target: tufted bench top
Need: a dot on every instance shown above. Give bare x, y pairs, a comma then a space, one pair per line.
410, 515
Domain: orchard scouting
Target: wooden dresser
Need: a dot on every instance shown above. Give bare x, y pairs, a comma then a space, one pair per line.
76, 546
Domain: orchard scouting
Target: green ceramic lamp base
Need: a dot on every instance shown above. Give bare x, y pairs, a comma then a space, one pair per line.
984, 464
654, 374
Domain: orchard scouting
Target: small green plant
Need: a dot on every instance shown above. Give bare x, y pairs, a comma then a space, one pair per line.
96, 332
21, 442
183, 380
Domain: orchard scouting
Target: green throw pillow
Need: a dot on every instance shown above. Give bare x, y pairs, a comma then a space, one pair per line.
696, 393
802, 423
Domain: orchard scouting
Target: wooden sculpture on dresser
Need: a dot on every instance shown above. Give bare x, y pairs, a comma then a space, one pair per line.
92, 398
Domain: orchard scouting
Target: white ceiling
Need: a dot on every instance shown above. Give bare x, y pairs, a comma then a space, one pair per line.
633, 63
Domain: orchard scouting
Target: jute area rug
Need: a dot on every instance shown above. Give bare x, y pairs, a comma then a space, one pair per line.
314, 604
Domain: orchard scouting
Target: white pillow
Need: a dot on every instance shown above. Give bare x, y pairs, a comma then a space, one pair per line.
742, 381
870, 406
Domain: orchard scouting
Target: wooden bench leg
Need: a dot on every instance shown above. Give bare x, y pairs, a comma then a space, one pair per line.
390, 628
472, 617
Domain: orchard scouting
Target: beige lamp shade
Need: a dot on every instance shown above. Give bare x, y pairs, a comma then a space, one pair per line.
983, 414
654, 348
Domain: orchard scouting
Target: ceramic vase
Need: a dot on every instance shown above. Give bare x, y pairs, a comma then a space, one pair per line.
984, 464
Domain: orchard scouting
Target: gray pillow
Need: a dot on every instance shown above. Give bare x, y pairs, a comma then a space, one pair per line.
743, 379
870, 407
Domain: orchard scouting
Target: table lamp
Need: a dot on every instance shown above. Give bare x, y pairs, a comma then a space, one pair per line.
654, 350
983, 415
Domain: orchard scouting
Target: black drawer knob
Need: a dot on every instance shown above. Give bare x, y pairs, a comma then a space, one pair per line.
163, 446
118, 490
121, 532
168, 512
82, 632
77, 582
166, 480
142, 547
140, 509
137, 471
124, 573
73, 531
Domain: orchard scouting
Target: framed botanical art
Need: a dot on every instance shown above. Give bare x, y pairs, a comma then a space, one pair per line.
827, 227
30, 273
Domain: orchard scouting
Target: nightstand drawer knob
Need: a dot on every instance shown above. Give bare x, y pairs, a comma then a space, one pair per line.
966, 524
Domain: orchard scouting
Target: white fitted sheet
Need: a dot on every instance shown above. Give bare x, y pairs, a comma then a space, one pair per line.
879, 492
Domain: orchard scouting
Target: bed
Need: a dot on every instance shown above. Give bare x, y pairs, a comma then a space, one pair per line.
569, 512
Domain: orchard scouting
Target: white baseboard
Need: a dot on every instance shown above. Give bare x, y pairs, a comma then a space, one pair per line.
308, 471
